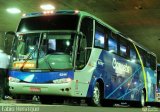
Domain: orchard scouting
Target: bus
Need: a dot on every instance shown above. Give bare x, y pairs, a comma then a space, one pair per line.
158, 84
73, 54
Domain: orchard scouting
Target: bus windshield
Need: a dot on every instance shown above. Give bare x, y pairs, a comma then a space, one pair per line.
52, 22
53, 43
47, 48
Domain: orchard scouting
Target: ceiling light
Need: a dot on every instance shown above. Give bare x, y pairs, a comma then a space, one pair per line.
14, 10
47, 7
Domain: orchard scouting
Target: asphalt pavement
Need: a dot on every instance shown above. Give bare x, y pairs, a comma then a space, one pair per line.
13, 106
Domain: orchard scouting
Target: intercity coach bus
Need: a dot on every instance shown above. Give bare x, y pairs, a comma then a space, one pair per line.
73, 54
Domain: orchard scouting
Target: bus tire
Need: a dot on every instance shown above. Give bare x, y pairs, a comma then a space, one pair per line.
143, 99
95, 99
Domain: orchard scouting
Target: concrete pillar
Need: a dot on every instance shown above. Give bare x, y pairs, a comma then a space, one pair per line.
2, 40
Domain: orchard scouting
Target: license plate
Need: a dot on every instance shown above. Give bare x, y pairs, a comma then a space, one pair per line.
34, 89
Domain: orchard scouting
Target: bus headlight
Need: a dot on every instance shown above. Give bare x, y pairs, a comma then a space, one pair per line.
13, 79
59, 81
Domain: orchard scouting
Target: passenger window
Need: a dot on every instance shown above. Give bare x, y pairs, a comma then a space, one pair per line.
87, 30
112, 45
123, 48
148, 60
153, 62
85, 42
142, 55
99, 39
132, 54
100, 36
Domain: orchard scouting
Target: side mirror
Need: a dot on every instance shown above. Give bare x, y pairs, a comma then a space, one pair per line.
10, 33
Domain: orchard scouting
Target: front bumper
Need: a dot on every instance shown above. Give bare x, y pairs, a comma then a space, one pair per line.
64, 89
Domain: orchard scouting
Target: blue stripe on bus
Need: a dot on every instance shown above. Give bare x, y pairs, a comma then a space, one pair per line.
123, 83
132, 90
41, 77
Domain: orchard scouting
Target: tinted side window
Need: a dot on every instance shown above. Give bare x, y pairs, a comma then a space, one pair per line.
123, 48
100, 36
112, 44
147, 60
153, 62
85, 42
132, 53
99, 39
138, 59
87, 30
143, 54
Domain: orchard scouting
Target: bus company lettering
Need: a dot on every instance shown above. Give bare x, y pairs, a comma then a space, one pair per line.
120, 68
100, 62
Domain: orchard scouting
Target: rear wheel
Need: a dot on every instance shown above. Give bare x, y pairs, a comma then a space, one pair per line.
140, 103
143, 99
95, 100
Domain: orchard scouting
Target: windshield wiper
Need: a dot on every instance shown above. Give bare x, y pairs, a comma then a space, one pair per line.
30, 54
51, 69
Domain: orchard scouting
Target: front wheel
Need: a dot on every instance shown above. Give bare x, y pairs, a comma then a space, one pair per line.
95, 100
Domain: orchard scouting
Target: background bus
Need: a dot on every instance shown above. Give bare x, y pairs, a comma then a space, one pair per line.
73, 54
158, 84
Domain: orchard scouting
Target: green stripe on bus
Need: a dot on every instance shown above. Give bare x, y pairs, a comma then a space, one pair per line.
144, 73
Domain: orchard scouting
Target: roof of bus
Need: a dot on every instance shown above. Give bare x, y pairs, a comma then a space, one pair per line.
83, 13
70, 12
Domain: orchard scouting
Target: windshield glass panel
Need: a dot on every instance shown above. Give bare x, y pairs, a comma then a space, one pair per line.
52, 44
44, 51
58, 43
27, 44
52, 22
